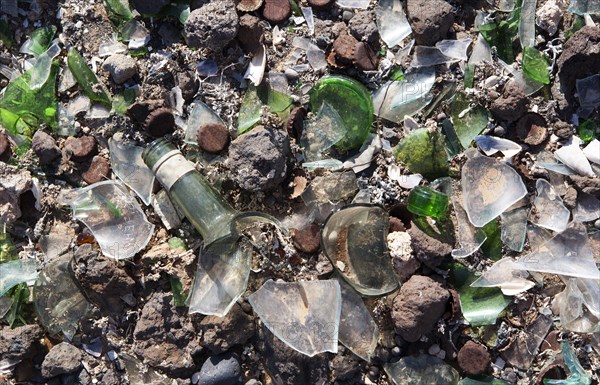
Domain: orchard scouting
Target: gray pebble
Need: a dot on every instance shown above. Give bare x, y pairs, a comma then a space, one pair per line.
347, 15
223, 369
120, 67
213, 25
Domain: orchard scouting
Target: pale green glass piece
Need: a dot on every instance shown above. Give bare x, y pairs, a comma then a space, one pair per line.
127, 163
421, 370
468, 121
577, 375
424, 153
15, 272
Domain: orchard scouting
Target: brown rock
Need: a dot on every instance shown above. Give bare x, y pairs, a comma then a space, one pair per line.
98, 170
63, 358
512, 105
249, 5
320, 3
4, 146
396, 225
362, 26
45, 147
365, 58
307, 240
420, 303
428, 250
213, 137
344, 47
296, 122
139, 111
219, 334
277, 11
563, 130
160, 122
188, 83
250, 33
587, 184
430, 20
570, 198
532, 129
17, 343
473, 358
81, 148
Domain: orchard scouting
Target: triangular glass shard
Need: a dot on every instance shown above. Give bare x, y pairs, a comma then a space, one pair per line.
592, 151
549, 211
202, 114
578, 305
491, 145
573, 157
305, 315
15, 272
420, 370
354, 240
127, 164
514, 228
489, 188
321, 132
507, 275
392, 23
114, 217
469, 237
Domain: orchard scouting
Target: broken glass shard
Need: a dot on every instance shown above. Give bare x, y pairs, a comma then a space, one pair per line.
514, 228
327, 164
592, 151
255, 99
581, 7
163, 207
527, 24
507, 275
588, 92
577, 375
427, 202
573, 157
115, 219
395, 99
527, 84
568, 253
140, 374
587, 208
357, 4
405, 181
135, 33
479, 305
111, 47
207, 67
256, 68
321, 132
15, 272
558, 168
305, 315
351, 101
59, 303
481, 52
202, 114
126, 162
470, 238
357, 331
86, 79
326, 193
468, 121
456, 49
491, 145
587, 130
307, 12
120, 7
57, 241
579, 305
420, 370
423, 152
535, 64
549, 211
489, 188
484, 381
354, 240
42, 67
39, 41
392, 22
492, 247
444, 52
367, 153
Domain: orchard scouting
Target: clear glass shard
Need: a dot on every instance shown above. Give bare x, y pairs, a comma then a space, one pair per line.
573, 157
587, 208
42, 67
135, 33
322, 132
527, 24
405, 181
316, 58
59, 302
202, 114
392, 22
15, 272
115, 219
358, 331
127, 164
588, 92
57, 241
456, 49
577, 313
421, 369
491, 145
140, 374
556, 167
356, 4
395, 99
111, 47
514, 228
429, 56
481, 52
470, 238
507, 275
307, 12
221, 277
328, 164
367, 153
592, 151
549, 211
355, 237
305, 315
489, 188
568, 253
582, 7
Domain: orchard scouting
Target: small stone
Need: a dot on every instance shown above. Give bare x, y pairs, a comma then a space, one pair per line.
307, 240
4, 146
120, 67
251, 33
188, 83
400, 248
44, 147
563, 130
548, 17
277, 11
365, 58
296, 122
14, 182
213, 25
362, 26
223, 369
249, 5
428, 250
63, 358
396, 225
320, 3
430, 20
344, 47
473, 358
588, 185
17, 343
512, 105
213, 137
149, 6
81, 148
220, 334
347, 15
420, 303
160, 122
570, 198
98, 170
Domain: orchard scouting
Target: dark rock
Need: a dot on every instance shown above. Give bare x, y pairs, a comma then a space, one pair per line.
430, 20
277, 11
79, 149
428, 250
396, 225
563, 130
219, 334
98, 170
169, 33
149, 6
223, 369
345, 368
320, 3
17, 343
587, 184
4, 146
307, 240
420, 303
512, 105
258, 159
188, 83
570, 198
63, 358
473, 358
44, 146
365, 58
160, 122
344, 47
532, 129
120, 67
250, 34
165, 337
104, 283
580, 58
362, 26
213, 25
296, 122
213, 137
249, 5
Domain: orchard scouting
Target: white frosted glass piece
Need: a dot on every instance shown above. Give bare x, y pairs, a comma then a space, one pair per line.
573, 157
507, 275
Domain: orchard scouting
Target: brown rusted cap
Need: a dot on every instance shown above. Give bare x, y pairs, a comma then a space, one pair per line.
213, 137
160, 122
532, 129
277, 11
320, 3
249, 5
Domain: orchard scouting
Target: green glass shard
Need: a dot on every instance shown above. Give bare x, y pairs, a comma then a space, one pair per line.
179, 295
479, 305
424, 153
587, 130
468, 121
120, 8
578, 23
39, 41
535, 65
353, 103
177, 243
577, 375
5, 34
396, 74
492, 247
427, 202
86, 79
502, 34
121, 102
255, 99
484, 381
7, 247
469, 75
19, 295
